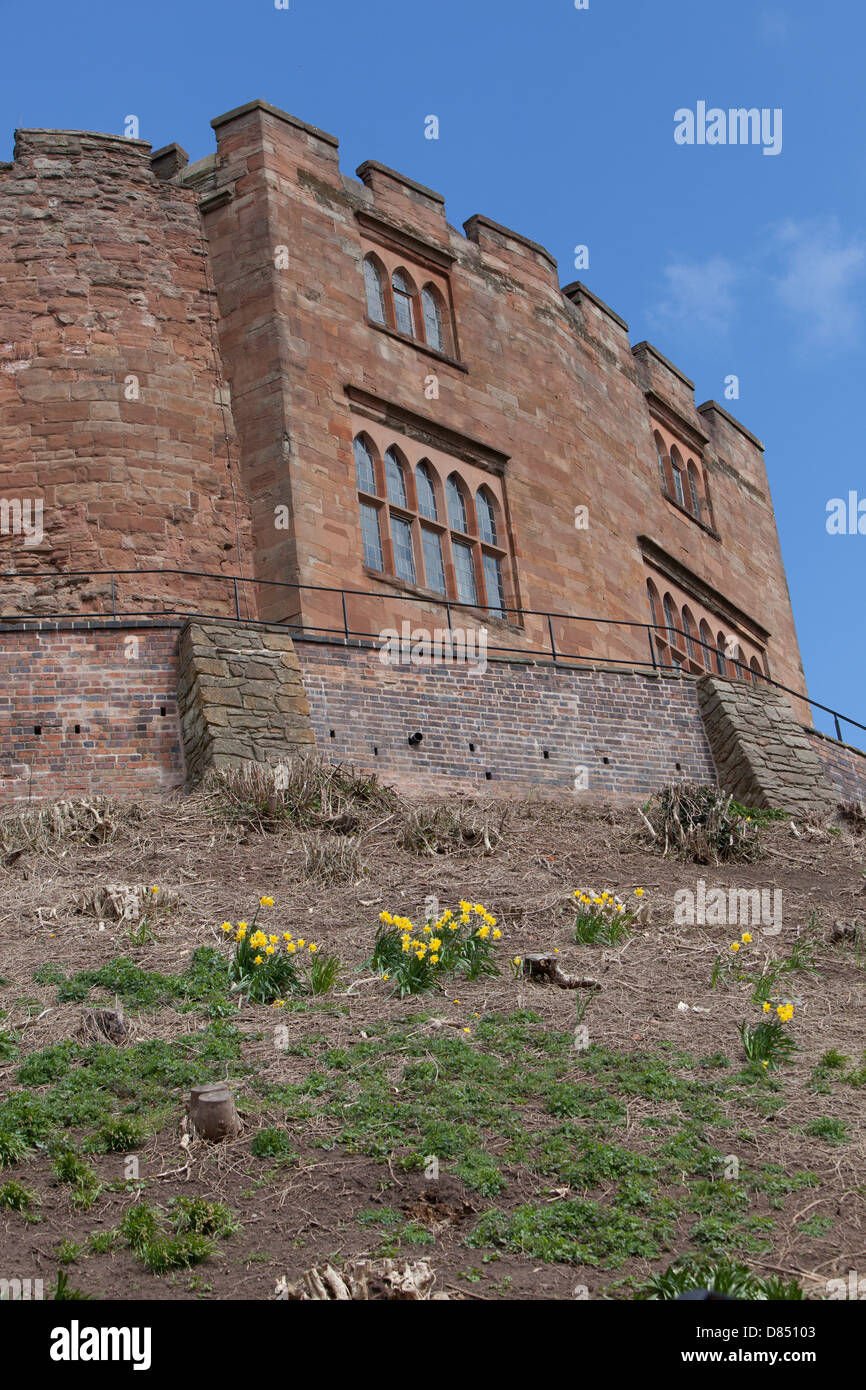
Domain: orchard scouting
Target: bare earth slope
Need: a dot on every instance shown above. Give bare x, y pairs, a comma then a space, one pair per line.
569, 1164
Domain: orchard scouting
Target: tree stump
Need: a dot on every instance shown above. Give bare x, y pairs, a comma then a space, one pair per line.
212, 1112
363, 1279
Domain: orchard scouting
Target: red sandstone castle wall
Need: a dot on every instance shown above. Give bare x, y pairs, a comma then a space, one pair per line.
103, 277
102, 280
548, 380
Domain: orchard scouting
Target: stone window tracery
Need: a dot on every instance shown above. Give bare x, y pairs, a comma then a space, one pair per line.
683, 642
426, 527
394, 301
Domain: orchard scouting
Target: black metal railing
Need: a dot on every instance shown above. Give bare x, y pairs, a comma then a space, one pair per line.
659, 636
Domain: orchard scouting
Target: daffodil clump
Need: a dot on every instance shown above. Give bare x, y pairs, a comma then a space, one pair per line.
740, 964
413, 960
731, 964
767, 1044
266, 967
603, 918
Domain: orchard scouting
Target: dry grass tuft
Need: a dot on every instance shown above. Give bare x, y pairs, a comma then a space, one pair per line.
305, 793
448, 830
80, 820
332, 858
122, 902
853, 813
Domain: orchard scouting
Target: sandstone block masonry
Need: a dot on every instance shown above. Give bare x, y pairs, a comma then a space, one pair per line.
181, 397
762, 755
113, 409
240, 695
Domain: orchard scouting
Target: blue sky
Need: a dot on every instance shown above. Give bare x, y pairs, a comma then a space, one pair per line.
559, 122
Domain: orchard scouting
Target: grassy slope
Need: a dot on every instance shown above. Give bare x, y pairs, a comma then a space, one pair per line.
560, 1168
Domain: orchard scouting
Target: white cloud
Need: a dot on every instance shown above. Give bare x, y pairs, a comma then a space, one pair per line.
820, 271
698, 294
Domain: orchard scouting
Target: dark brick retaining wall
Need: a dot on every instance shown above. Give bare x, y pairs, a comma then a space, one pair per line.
104, 701
647, 728
844, 766
631, 732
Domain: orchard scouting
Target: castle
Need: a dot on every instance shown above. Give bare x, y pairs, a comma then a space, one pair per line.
255, 390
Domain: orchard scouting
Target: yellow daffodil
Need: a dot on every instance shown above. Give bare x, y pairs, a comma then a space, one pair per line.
638, 892
257, 960
226, 926
266, 902
496, 935
269, 950
746, 937
735, 945
313, 947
